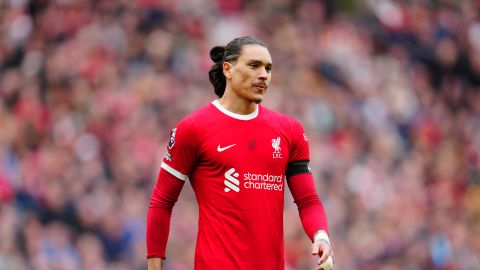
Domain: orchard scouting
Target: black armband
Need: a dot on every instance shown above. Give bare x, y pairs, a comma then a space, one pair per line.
298, 167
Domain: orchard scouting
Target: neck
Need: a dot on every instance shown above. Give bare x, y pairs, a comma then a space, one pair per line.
236, 104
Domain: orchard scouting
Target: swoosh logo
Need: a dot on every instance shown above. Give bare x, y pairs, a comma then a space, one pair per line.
221, 149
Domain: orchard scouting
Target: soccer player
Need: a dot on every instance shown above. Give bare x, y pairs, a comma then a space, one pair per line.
238, 155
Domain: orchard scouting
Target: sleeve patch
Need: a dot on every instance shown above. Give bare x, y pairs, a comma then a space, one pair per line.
171, 141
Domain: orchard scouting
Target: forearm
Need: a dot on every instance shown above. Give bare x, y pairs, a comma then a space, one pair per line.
158, 228
310, 208
313, 217
164, 196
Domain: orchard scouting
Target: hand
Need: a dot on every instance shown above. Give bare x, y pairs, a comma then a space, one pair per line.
322, 249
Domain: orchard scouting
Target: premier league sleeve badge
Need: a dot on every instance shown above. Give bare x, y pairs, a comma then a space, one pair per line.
171, 142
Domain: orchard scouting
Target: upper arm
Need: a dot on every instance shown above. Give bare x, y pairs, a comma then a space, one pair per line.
299, 142
182, 149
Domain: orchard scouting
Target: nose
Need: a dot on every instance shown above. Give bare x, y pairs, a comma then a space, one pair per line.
263, 75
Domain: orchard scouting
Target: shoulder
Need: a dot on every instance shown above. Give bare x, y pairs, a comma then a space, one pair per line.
285, 120
186, 130
199, 121
196, 115
205, 112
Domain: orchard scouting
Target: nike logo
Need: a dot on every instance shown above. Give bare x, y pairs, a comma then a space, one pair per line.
221, 149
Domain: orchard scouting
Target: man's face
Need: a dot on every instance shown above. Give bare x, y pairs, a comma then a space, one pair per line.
250, 75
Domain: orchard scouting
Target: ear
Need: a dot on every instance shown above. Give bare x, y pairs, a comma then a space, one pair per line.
227, 70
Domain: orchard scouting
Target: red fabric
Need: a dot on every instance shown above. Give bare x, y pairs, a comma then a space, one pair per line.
236, 165
163, 198
236, 168
310, 208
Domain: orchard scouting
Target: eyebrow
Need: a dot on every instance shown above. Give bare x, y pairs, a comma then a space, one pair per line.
256, 61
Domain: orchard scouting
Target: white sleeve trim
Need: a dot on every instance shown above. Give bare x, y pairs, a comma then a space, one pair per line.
321, 235
174, 172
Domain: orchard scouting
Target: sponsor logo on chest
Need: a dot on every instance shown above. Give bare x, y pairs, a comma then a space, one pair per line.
235, 181
254, 181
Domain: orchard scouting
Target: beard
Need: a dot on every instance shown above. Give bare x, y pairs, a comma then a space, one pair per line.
257, 100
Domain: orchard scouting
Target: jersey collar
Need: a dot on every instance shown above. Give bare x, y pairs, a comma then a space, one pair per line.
250, 116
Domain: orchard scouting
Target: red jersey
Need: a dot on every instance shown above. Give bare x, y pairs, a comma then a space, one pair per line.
236, 165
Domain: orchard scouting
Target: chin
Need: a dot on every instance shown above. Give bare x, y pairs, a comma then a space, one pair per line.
257, 100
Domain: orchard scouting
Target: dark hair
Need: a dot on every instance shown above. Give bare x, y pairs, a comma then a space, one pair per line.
222, 54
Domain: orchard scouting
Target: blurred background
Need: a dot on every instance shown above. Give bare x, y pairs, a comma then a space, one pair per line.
388, 92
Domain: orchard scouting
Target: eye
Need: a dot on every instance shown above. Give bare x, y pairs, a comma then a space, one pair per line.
268, 69
254, 65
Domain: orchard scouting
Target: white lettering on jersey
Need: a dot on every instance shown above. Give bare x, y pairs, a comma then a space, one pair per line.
252, 181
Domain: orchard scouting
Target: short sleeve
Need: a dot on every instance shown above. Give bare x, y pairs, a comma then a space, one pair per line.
182, 150
299, 141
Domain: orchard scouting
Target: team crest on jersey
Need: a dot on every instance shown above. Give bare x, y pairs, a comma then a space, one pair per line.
171, 142
277, 150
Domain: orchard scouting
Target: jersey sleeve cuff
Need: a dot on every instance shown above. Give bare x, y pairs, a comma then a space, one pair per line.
156, 255
173, 172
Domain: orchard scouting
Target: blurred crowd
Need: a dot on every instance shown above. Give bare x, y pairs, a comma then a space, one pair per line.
388, 92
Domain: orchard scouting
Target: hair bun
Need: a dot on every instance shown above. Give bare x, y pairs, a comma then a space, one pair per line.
216, 54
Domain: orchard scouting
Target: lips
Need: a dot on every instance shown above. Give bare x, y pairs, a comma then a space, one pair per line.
260, 86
